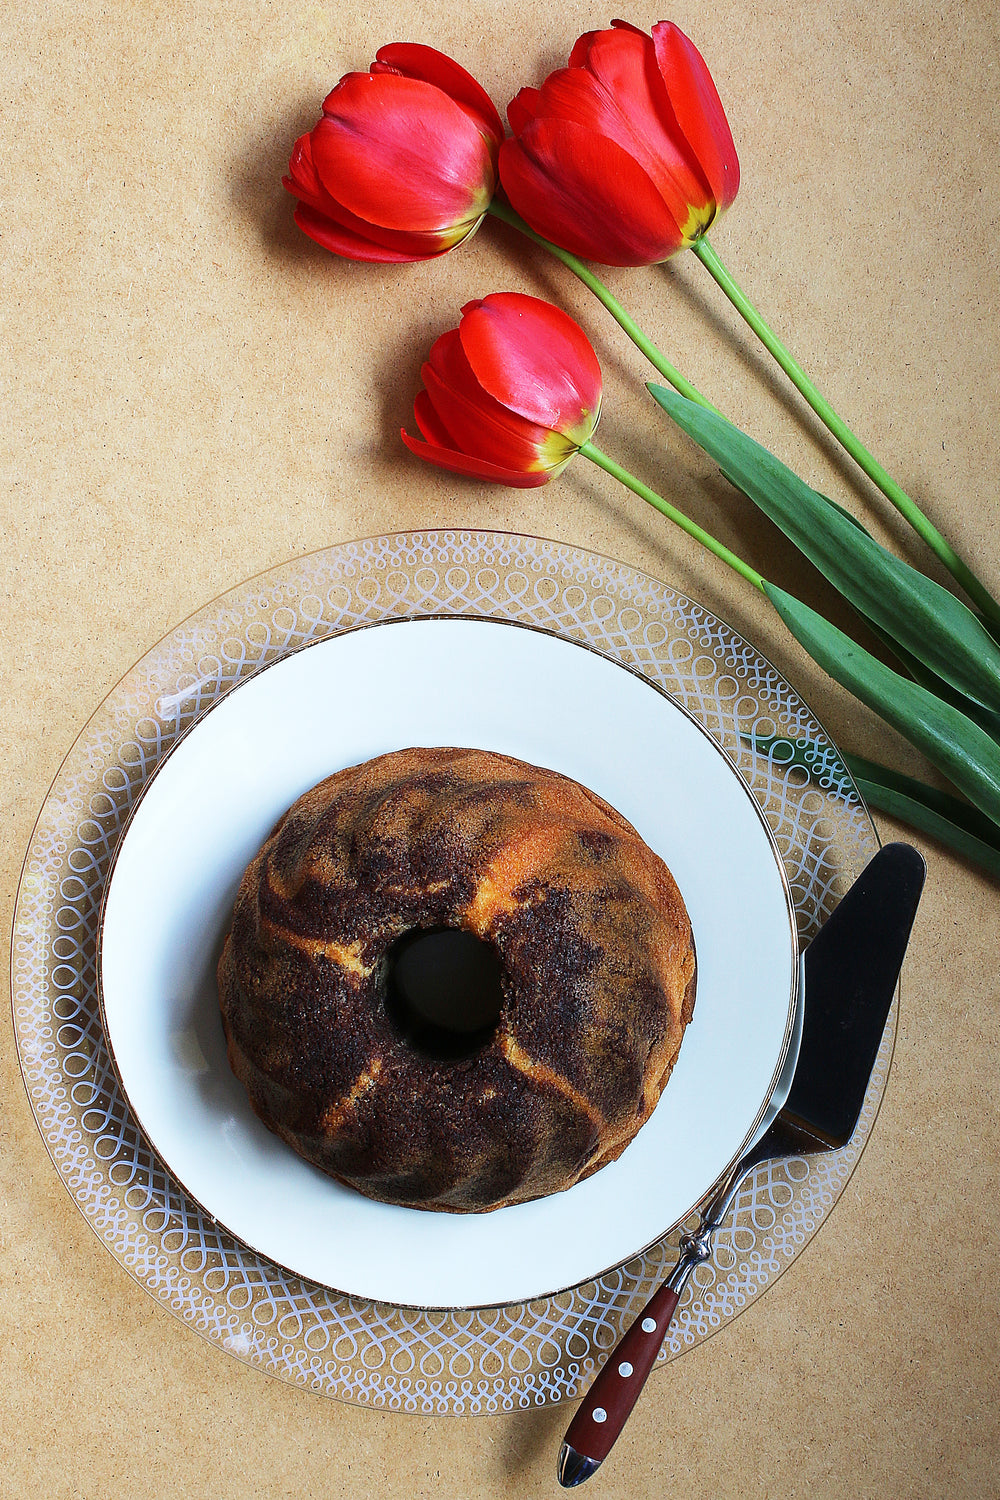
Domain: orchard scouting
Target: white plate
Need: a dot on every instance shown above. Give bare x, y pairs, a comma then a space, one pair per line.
487, 685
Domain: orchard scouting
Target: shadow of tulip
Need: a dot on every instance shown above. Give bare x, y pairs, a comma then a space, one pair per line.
257, 192
256, 189
405, 346
680, 279
875, 510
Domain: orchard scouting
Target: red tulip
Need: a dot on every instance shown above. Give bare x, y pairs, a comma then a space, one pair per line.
625, 156
402, 166
510, 395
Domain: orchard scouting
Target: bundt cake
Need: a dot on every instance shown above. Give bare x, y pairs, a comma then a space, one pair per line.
592, 959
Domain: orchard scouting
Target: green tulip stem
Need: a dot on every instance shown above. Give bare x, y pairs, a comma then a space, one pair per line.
646, 346
893, 492
601, 459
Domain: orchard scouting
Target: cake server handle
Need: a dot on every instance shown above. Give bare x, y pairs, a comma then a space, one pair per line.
615, 1389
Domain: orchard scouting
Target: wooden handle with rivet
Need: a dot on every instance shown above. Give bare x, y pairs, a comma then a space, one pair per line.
606, 1406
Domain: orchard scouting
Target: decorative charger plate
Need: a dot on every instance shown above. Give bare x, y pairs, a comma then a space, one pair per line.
352, 1347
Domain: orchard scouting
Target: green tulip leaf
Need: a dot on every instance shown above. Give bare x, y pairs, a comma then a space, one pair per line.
986, 718
952, 822
944, 817
959, 747
927, 620
841, 510
804, 754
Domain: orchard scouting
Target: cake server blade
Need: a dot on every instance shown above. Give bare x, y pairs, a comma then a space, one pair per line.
851, 968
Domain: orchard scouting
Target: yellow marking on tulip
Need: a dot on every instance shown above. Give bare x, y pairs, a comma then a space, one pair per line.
337, 1113
557, 448
699, 221
456, 233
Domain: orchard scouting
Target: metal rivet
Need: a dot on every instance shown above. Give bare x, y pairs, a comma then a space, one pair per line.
599, 1414
625, 1368
649, 1325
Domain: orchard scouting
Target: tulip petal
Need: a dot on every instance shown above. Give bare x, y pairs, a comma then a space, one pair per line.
414, 60
333, 236
398, 152
333, 226
524, 106
628, 26
345, 233
302, 179
474, 468
535, 360
582, 45
476, 424
620, 94
699, 110
587, 195
430, 424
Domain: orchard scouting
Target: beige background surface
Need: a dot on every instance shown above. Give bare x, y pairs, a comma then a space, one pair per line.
193, 392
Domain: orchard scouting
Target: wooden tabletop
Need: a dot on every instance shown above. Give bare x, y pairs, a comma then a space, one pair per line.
194, 392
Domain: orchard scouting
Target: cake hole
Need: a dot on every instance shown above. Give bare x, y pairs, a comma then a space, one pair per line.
444, 991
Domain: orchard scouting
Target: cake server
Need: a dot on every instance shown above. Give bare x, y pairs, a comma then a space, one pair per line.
851, 969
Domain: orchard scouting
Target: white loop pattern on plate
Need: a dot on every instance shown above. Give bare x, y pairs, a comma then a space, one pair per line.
370, 1353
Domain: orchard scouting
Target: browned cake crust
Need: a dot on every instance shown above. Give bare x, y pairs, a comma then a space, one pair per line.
598, 978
